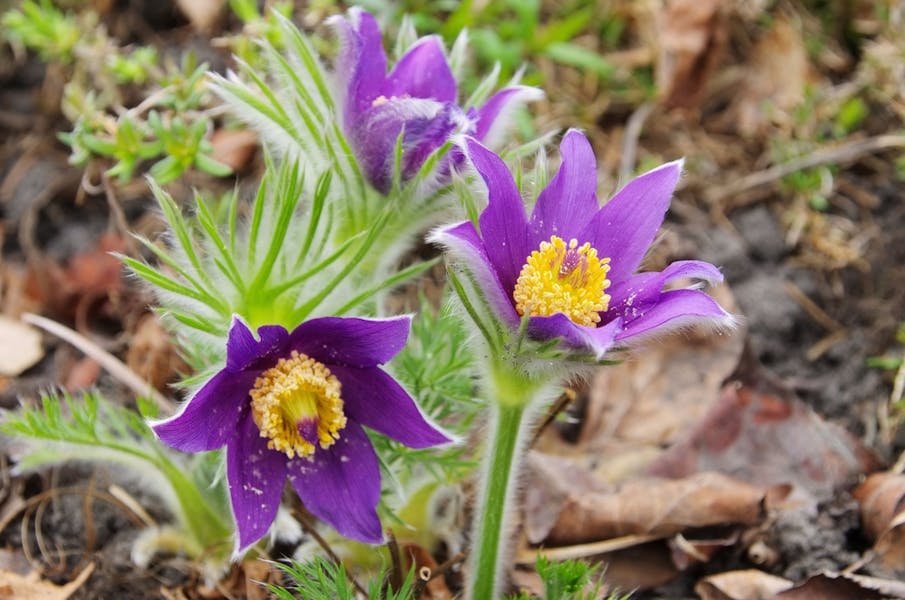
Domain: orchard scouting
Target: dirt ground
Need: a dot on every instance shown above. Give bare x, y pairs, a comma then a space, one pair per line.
819, 291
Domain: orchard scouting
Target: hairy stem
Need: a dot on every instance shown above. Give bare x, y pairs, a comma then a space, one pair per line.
502, 460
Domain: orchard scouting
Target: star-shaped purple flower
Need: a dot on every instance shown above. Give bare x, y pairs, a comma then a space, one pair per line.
417, 98
571, 265
293, 405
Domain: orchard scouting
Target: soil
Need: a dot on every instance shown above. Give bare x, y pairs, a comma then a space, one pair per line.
813, 324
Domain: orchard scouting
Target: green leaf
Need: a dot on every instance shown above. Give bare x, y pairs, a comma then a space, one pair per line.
212, 167
581, 58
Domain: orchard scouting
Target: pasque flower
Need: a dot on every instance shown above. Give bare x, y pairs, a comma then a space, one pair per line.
417, 99
570, 266
293, 405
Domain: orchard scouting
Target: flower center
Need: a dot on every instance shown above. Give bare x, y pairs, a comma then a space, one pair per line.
563, 278
297, 405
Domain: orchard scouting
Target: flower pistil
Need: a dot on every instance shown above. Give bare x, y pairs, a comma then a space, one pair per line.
298, 406
563, 278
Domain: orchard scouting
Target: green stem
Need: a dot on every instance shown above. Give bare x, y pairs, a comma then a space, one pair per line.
501, 465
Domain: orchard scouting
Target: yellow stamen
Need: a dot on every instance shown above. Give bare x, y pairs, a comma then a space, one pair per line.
560, 278
296, 404
379, 100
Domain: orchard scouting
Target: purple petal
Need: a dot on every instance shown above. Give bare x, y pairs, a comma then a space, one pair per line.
675, 309
634, 295
626, 225
423, 73
462, 241
209, 419
256, 475
349, 341
569, 201
374, 399
341, 485
361, 64
493, 118
243, 351
503, 223
425, 124
596, 339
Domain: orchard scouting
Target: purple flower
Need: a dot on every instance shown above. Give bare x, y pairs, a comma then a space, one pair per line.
571, 265
417, 99
293, 404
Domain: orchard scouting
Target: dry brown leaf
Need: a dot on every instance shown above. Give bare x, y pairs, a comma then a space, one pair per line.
748, 584
152, 355
29, 587
20, 347
256, 573
96, 272
837, 586
774, 82
882, 499
691, 37
767, 439
639, 568
83, 374
234, 147
637, 408
568, 510
202, 14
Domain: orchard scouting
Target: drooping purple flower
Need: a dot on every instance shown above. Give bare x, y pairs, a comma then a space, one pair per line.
293, 405
570, 266
416, 99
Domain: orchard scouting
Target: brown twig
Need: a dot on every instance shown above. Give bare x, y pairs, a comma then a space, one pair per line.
396, 572
117, 368
812, 308
843, 153
568, 396
420, 582
117, 215
630, 141
528, 556
447, 565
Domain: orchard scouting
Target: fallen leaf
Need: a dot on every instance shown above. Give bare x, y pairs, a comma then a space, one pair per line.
234, 147
882, 500
257, 573
20, 347
774, 82
83, 374
96, 272
202, 14
152, 354
838, 586
748, 584
691, 36
637, 408
29, 587
639, 568
767, 439
562, 511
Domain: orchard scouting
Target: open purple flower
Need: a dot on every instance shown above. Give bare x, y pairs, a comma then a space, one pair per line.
417, 99
293, 404
571, 265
